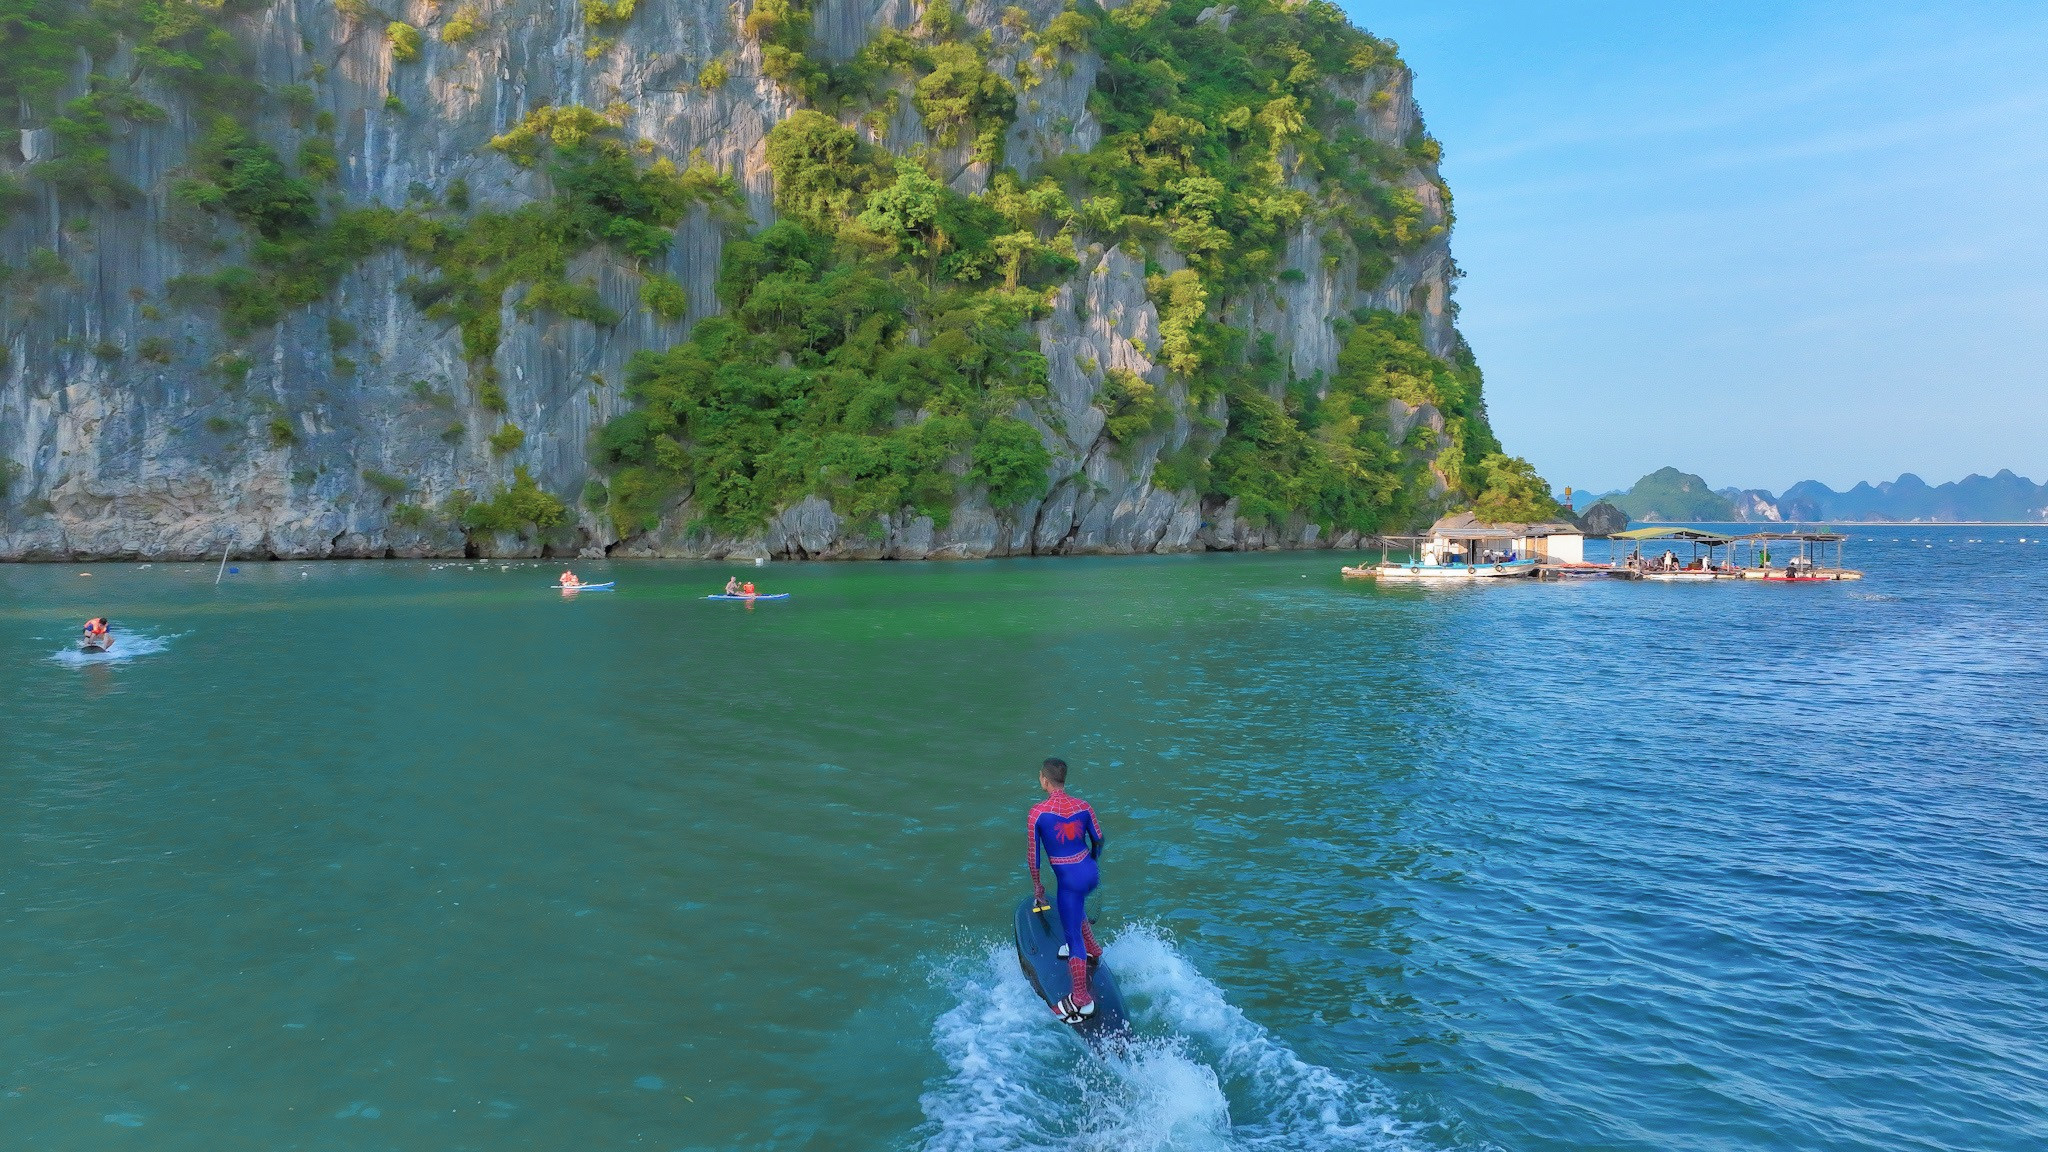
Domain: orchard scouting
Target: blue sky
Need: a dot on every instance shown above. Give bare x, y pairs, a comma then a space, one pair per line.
1763, 242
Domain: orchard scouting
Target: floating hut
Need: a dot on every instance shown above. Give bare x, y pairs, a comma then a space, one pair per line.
1462, 547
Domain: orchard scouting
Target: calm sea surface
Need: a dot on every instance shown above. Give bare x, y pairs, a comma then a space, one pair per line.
425, 856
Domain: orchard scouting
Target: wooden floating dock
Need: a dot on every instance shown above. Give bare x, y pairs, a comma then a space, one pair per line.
1805, 565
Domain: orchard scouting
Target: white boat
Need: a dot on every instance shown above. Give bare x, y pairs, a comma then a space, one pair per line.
1439, 573
1680, 576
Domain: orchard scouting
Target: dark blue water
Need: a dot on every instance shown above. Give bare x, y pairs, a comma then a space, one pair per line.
416, 856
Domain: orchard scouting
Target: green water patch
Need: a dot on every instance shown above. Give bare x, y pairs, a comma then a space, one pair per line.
449, 859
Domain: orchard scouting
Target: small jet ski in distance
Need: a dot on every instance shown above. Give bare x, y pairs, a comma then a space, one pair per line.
99, 635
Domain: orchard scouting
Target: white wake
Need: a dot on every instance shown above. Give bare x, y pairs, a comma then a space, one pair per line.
127, 646
1200, 1075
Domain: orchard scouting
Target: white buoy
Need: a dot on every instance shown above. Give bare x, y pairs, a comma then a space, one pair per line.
760, 561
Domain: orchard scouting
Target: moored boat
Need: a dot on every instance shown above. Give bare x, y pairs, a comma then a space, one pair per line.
1679, 576
1417, 570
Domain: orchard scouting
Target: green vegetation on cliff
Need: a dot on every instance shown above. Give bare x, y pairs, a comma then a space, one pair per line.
179, 42
1209, 136
870, 339
298, 253
874, 346
1217, 144
1331, 458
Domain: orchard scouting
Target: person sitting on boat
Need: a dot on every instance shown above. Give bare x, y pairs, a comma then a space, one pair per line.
747, 589
96, 632
1067, 831
569, 579
732, 586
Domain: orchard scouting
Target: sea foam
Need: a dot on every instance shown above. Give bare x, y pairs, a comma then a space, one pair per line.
1199, 1075
127, 646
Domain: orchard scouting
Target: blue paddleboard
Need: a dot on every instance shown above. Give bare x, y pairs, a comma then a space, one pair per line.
604, 587
723, 596
1039, 937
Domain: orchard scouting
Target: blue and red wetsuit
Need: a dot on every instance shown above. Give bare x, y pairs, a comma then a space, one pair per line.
1065, 828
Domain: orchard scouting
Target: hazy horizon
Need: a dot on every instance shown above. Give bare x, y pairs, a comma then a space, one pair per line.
1873, 481
1760, 243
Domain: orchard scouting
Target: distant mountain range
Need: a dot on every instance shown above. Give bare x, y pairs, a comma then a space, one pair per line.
1668, 495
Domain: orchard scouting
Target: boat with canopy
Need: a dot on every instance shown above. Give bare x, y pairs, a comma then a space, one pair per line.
1668, 567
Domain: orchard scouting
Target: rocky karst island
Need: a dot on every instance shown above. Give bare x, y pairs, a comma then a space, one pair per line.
320, 278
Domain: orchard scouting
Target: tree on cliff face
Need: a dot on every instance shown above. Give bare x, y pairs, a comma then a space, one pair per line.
1510, 492
825, 170
907, 214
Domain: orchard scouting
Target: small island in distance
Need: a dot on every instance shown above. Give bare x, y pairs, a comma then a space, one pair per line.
1668, 495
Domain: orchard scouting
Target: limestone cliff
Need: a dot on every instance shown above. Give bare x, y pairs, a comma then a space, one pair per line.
137, 422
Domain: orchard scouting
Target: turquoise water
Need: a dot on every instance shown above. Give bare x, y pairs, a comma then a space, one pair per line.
397, 855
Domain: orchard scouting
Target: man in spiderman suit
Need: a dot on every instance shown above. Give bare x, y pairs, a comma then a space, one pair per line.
1066, 829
